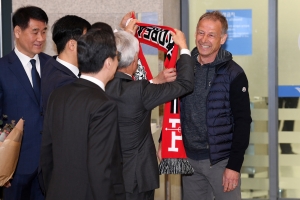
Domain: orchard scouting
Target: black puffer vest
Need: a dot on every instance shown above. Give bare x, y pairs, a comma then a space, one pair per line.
219, 119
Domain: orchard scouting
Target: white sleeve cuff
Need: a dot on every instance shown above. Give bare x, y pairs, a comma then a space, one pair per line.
127, 22
185, 51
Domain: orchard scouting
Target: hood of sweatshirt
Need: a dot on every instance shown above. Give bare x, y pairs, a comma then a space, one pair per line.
222, 57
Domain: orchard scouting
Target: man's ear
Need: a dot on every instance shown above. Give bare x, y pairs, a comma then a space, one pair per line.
72, 45
108, 63
223, 38
17, 31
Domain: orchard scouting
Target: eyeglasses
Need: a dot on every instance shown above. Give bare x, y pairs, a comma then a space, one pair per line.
118, 54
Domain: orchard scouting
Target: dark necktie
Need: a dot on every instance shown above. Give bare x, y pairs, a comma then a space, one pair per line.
36, 80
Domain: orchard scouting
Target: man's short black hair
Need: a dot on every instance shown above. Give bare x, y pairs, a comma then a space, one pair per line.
67, 28
22, 16
102, 26
94, 48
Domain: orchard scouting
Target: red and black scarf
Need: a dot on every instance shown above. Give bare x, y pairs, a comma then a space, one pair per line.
173, 153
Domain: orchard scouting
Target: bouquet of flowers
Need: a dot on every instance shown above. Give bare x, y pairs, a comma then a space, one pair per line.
4, 131
10, 149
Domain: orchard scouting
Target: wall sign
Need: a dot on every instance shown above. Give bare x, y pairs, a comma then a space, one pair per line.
239, 40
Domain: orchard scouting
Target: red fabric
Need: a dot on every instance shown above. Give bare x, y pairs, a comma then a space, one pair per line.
172, 144
160, 38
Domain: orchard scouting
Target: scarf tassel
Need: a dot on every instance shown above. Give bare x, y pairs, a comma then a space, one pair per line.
175, 166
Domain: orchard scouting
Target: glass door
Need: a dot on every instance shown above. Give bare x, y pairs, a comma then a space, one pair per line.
288, 98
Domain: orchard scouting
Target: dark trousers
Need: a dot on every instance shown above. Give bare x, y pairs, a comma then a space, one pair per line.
149, 195
288, 125
24, 187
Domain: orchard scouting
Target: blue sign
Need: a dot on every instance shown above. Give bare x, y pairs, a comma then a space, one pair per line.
239, 39
289, 91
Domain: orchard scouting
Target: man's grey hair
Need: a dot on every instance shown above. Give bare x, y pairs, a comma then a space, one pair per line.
128, 46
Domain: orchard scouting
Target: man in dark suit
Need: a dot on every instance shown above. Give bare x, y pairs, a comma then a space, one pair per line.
80, 155
20, 96
63, 68
135, 100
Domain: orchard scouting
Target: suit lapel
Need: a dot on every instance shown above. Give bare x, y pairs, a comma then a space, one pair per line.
43, 61
18, 70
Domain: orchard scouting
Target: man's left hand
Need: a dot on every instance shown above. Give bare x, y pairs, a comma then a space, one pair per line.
167, 75
230, 180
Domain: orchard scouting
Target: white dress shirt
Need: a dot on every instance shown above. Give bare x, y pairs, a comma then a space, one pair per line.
94, 80
25, 60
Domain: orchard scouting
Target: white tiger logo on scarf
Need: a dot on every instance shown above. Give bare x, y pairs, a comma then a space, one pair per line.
140, 73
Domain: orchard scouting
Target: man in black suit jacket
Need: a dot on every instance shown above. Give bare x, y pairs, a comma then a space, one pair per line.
20, 96
80, 155
135, 100
63, 68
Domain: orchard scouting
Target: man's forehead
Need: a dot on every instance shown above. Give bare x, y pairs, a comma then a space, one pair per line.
37, 25
37, 22
210, 24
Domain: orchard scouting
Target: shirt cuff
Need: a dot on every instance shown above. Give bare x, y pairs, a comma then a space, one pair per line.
151, 81
185, 51
127, 22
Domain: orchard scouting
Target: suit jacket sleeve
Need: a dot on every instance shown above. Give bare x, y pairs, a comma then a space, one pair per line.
103, 145
156, 94
46, 157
